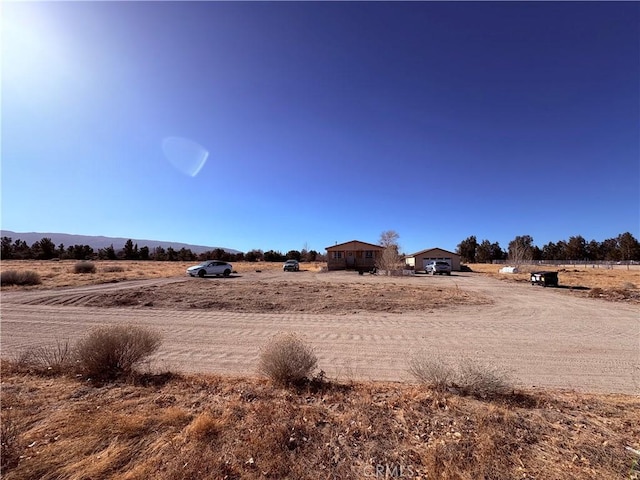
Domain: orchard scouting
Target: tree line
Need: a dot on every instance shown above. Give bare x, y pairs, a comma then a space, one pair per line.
624, 247
45, 249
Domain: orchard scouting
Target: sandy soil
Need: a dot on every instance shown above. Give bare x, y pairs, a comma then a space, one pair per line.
363, 327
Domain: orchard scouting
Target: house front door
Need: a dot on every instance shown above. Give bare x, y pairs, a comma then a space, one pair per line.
351, 260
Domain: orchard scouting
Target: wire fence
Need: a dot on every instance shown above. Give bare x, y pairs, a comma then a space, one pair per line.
576, 263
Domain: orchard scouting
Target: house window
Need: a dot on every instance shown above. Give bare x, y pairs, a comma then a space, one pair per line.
368, 254
337, 255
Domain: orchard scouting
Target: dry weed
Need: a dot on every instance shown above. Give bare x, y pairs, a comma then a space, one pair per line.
113, 351
85, 267
286, 359
211, 427
14, 277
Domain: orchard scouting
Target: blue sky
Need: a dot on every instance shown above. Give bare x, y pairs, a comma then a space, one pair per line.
284, 125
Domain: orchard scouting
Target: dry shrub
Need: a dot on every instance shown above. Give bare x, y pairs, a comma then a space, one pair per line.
14, 277
467, 377
481, 380
113, 351
431, 370
9, 445
84, 267
48, 359
113, 268
205, 427
287, 359
595, 292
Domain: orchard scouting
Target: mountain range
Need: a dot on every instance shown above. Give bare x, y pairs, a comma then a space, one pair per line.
97, 242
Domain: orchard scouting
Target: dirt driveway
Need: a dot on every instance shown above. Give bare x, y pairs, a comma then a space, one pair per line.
544, 337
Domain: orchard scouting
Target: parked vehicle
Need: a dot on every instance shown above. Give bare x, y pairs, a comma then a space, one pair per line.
291, 266
438, 267
211, 267
546, 279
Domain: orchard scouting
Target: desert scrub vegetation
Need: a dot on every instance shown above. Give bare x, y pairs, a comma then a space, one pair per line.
57, 359
9, 446
104, 353
113, 269
84, 267
114, 351
15, 277
465, 376
287, 360
209, 426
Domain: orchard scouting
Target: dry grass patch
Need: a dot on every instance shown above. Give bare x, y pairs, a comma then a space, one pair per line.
56, 274
19, 278
209, 427
616, 284
289, 296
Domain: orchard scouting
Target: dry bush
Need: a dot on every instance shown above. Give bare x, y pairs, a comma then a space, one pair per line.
9, 445
287, 359
49, 359
467, 377
431, 370
481, 380
14, 277
113, 351
113, 269
595, 292
84, 267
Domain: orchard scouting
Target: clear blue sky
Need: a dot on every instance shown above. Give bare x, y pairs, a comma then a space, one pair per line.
280, 125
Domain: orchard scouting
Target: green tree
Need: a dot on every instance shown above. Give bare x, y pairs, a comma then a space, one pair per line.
130, 251
294, 255
159, 254
107, 253
274, 256
594, 250
47, 249
6, 248
628, 246
483, 252
185, 254
576, 248
21, 250
144, 253
467, 249
254, 255
610, 251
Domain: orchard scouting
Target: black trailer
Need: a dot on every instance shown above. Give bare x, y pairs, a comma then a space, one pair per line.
546, 279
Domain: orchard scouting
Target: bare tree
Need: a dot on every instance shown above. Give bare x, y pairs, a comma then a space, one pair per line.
521, 249
390, 260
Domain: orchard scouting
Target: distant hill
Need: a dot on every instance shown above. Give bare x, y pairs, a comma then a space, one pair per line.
97, 242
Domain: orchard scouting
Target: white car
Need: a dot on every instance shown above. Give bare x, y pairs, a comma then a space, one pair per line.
211, 267
439, 267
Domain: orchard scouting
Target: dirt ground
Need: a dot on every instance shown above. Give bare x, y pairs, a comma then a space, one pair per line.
362, 326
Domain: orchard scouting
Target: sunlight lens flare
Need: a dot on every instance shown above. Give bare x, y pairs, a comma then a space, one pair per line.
185, 155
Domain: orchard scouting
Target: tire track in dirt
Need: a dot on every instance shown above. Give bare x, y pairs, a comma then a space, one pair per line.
544, 336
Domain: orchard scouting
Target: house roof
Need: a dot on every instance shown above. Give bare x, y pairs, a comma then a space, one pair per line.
421, 252
342, 245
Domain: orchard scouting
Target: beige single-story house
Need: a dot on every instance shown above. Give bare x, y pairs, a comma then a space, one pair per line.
419, 259
353, 255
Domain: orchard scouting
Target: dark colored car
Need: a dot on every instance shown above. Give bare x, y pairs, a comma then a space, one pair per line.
291, 266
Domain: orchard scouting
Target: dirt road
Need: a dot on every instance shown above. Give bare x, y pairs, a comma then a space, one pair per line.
544, 337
